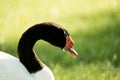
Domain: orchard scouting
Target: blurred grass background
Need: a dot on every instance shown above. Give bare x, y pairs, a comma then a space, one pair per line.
93, 24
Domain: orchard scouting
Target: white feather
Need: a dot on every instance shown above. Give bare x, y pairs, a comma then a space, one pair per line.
12, 69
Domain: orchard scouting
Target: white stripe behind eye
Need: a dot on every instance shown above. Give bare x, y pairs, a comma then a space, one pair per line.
65, 34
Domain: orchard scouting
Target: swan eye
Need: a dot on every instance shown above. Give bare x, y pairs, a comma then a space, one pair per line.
65, 33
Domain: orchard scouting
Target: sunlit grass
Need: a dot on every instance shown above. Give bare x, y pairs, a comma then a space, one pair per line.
93, 24
91, 71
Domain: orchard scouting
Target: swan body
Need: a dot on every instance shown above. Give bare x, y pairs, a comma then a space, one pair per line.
12, 69
29, 66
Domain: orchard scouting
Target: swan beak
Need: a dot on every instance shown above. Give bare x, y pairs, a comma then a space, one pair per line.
68, 47
71, 51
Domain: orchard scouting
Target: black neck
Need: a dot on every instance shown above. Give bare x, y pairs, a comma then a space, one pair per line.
26, 53
52, 33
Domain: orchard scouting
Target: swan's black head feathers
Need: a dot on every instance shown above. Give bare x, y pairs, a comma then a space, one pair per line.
54, 34
50, 32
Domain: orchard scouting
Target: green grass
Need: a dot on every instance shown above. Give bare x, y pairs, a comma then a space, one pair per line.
91, 71
93, 24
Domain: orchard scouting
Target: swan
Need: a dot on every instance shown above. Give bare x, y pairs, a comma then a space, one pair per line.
29, 66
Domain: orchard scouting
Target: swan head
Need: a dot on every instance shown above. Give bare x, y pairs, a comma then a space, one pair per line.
59, 36
52, 33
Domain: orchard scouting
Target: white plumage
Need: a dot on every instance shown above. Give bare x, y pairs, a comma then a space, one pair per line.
12, 69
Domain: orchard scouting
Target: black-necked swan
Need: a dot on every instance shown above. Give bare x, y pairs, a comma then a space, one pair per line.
29, 66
